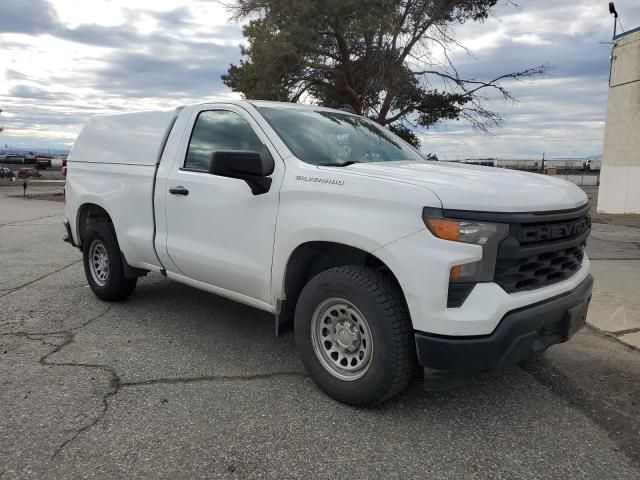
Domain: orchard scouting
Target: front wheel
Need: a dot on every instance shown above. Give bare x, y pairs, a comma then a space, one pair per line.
103, 265
354, 335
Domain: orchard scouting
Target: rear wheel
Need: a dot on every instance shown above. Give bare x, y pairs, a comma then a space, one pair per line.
103, 264
354, 335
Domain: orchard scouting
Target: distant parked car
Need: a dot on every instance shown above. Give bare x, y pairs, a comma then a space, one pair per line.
29, 173
6, 172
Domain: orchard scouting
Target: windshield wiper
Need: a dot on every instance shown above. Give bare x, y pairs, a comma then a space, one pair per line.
342, 164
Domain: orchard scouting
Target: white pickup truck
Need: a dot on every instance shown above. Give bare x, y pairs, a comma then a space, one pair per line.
381, 259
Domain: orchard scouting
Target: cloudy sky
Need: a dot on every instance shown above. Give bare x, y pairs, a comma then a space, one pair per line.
64, 60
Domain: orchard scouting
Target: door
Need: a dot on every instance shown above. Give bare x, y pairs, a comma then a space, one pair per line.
218, 232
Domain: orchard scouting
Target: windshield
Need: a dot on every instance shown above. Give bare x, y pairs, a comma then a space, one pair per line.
331, 138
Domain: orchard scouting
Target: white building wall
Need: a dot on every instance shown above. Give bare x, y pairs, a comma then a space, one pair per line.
620, 175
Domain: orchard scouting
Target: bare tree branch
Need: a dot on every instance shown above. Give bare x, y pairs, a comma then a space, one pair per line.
391, 61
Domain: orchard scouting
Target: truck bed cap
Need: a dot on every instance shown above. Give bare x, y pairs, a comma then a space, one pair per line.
128, 138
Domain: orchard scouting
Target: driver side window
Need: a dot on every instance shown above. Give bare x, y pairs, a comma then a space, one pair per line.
218, 130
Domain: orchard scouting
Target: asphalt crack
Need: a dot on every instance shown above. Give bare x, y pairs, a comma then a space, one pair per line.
30, 220
33, 334
114, 388
625, 332
40, 338
69, 338
213, 378
615, 335
30, 282
68, 331
27, 225
115, 383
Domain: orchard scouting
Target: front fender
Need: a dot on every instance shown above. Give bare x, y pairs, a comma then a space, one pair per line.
361, 212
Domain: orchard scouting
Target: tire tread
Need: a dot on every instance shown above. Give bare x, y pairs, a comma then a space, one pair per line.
118, 287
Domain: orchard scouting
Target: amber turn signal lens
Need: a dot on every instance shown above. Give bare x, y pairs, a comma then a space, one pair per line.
443, 228
456, 272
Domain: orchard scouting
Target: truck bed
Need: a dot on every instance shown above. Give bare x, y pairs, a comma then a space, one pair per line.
114, 163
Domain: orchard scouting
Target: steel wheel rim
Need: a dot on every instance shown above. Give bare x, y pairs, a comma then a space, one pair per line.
99, 262
341, 339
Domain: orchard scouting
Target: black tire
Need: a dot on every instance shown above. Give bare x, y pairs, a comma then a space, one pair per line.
116, 286
378, 298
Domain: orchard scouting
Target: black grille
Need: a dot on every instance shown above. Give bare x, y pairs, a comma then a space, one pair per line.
538, 253
537, 271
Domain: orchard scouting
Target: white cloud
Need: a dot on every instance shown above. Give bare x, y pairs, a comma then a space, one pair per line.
531, 39
63, 60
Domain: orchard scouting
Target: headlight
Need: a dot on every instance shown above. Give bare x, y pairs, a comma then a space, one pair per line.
462, 230
487, 235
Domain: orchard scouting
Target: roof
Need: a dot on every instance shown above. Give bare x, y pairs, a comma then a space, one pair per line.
290, 105
628, 32
267, 103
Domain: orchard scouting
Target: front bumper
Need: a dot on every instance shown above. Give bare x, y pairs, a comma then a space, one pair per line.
520, 333
422, 262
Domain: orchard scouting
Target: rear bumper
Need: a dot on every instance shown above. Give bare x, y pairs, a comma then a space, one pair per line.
520, 333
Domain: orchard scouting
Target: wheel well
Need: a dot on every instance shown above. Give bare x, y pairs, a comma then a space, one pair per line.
311, 258
89, 215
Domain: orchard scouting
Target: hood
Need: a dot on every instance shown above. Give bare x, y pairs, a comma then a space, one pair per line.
473, 187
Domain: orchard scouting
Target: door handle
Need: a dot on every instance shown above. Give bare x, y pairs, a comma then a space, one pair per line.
179, 190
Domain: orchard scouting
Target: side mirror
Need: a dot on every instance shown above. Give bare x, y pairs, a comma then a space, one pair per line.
252, 167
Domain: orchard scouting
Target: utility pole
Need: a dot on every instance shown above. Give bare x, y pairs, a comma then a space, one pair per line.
543, 162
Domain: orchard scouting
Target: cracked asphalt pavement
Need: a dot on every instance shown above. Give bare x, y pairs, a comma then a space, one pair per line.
177, 383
